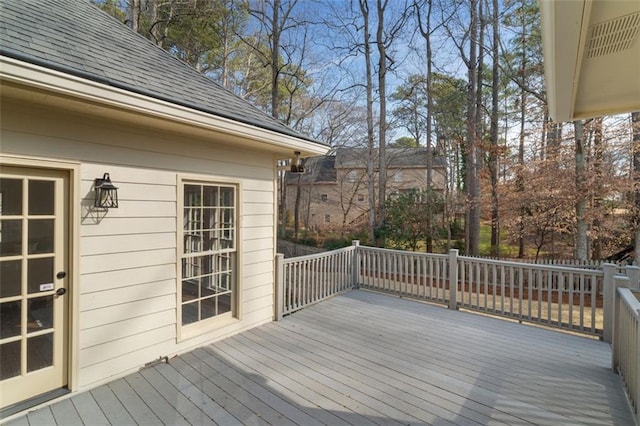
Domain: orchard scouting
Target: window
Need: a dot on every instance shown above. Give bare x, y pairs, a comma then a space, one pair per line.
324, 197
327, 218
360, 197
208, 279
352, 176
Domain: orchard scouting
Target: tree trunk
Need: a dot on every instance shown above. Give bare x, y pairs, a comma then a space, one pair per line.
479, 131
494, 153
364, 9
296, 213
135, 15
520, 178
581, 200
472, 223
598, 160
382, 124
275, 59
282, 186
426, 34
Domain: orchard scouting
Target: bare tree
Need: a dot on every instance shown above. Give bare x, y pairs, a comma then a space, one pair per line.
494, 151
581, 246
425, 28
472, 222
366, 44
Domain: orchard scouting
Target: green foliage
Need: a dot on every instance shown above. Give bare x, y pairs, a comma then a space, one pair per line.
411, 101
406, 224
404, 142
112, 7
336, 243
449, 98
308, 241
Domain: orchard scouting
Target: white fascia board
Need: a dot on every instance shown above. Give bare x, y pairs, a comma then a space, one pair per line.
563, 28
30, 75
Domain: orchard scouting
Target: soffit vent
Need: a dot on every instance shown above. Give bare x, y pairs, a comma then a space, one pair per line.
612, 36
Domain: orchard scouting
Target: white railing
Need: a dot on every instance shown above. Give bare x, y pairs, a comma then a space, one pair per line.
558, 296
626, 344
417, 275
305, 280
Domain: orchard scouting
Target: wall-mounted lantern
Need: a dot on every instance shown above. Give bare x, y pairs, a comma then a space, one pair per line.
106, 193
296, 163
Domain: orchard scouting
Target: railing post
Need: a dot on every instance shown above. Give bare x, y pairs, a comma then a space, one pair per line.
279, 296
453, 279
355, 264
618, 281
633, 272
637, 404
608, 295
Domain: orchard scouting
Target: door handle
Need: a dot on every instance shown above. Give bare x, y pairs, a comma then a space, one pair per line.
60, 275
61, 291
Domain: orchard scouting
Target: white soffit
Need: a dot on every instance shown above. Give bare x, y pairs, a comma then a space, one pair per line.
592, 57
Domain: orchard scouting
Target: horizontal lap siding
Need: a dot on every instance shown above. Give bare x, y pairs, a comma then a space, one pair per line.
128, 260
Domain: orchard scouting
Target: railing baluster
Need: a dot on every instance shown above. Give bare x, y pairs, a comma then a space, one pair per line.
581, 287
594, 292
487, 285
549, 294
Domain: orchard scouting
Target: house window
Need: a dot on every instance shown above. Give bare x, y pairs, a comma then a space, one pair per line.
208, 258
327, 218
360, 197
324, 197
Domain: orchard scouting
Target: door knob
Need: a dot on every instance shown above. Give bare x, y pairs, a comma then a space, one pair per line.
61, 291
60, 275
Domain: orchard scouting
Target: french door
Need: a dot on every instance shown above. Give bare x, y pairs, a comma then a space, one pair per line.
33, 282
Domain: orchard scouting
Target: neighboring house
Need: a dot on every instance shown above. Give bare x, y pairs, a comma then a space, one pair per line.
333, 191
89, 294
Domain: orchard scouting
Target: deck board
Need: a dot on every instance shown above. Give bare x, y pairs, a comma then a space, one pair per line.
111, 406
365, 358
488, 365
65, 413
88, 409
176, 399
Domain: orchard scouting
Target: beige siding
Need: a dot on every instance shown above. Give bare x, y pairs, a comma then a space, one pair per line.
127, 287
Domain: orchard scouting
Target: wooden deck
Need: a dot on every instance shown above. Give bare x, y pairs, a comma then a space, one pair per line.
365, 358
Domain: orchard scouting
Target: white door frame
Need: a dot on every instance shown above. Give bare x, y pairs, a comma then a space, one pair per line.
72, 169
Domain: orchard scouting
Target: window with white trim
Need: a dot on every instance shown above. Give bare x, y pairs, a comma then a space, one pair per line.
208, 259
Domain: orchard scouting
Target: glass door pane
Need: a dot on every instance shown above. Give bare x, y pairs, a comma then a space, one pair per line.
32, 251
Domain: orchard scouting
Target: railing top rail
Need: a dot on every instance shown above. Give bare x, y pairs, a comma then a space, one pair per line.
413, 253
630, 299
560, 268
319, 255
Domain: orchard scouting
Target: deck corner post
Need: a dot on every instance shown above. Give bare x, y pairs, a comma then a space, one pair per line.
279, 296
355, 264
608, 295
637, 405
633, 272
618, 282
453, 279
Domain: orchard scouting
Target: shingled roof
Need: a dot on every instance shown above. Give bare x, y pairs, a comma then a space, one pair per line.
354, 158
77, 38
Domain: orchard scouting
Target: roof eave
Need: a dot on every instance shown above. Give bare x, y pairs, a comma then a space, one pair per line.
31, 75
581, 85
